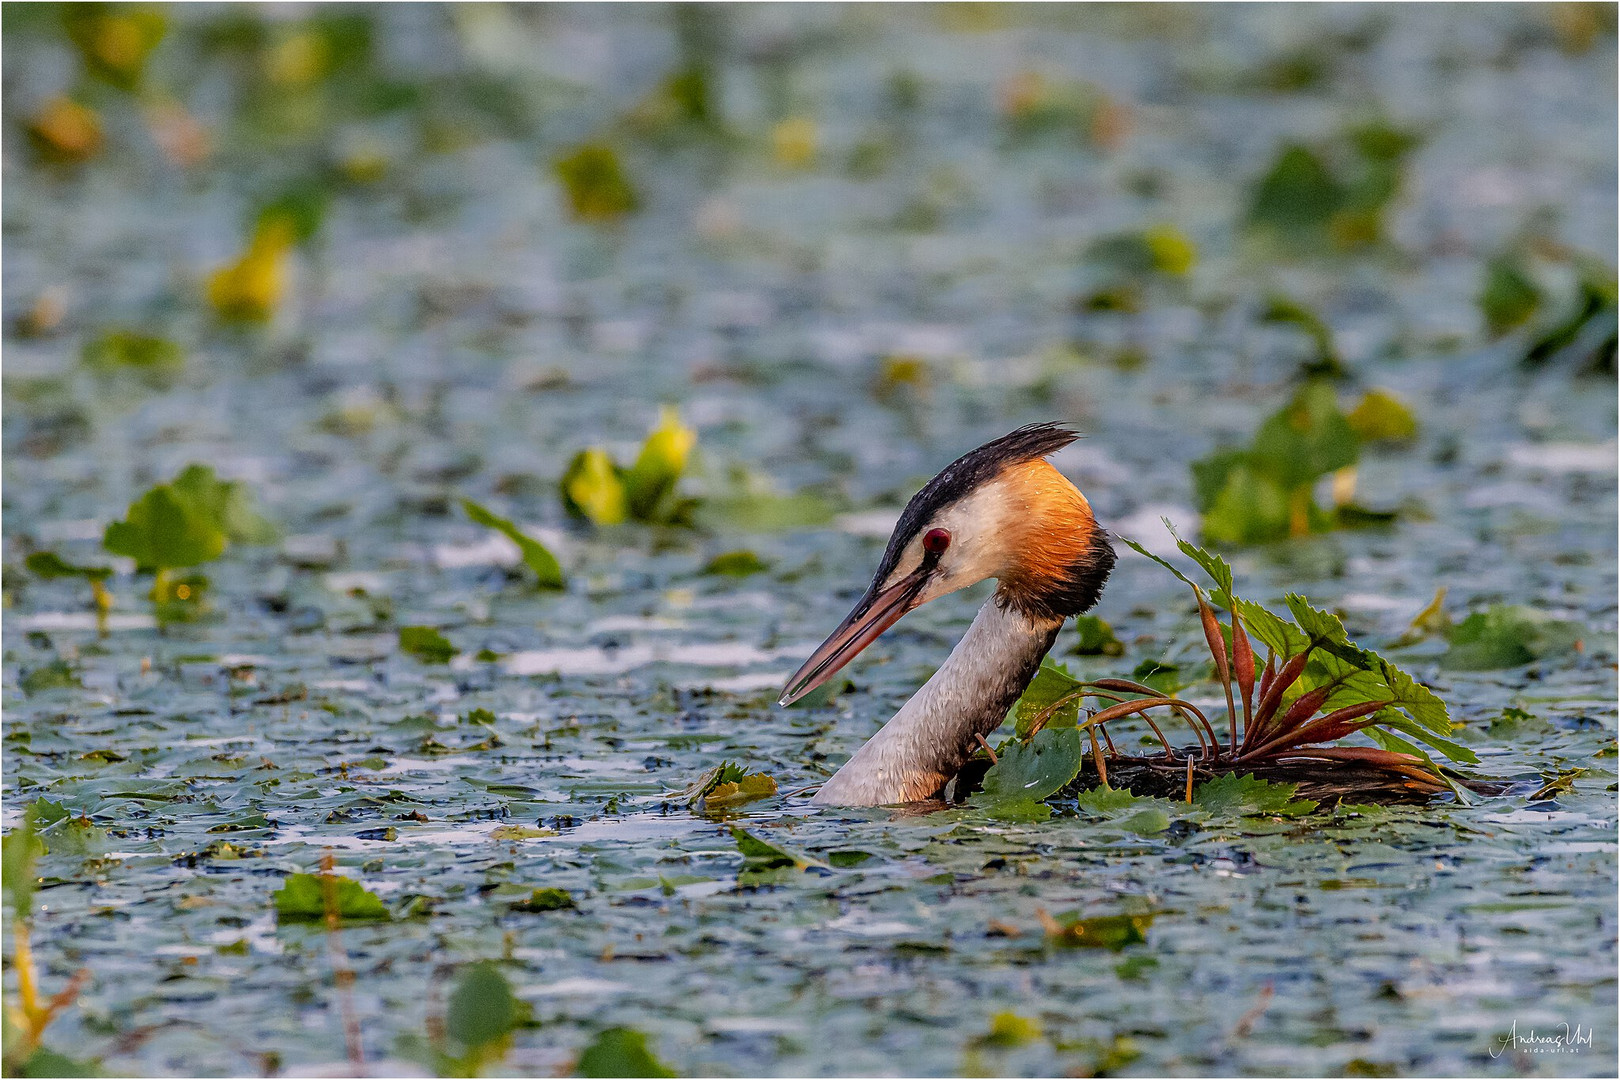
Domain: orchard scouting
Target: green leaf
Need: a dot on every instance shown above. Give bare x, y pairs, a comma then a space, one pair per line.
1008, 1029
1248, 508
1382, 417
1307, 439
300, 208
759, 855
42, 813
1159, 249
47, 1062
1032, 771
1212, 474
1052, 681
56, 675
482, 1009
1107, 802
1297, 196
1265, 626
649, 484
153, 358
1514, 723
1392, 720
19, 854
187, 522
1421, 703
1264, 492
1360, 675
302, 898
519, 832
1509, 297
725, 772
1071, 930
1382, 142
1388, 740
228, 502
736, 564
1213, 565
162, 530
1234, 794
721, 787
1507, 636
548, 898
621, 1052
547, 571
1319, 625
50, 565
1141, 816
744, 789
592, 489
595, 183
426, 644
1097, 638
114, 44
62, 831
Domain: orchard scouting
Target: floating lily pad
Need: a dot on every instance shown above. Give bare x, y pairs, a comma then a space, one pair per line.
621, 1051
1026, 773
426, 644
303, 898
1235, 794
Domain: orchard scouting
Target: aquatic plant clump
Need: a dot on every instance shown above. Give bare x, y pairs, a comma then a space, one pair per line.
1314, 688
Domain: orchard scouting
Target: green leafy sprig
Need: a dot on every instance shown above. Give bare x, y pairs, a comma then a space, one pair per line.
1313, 688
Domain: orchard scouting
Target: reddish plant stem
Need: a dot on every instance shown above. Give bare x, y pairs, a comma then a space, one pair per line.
1168, 752
1097, 758
1126, 708
1304, 707
1243, 661
1316, 730
1223, 670
1273, 696
1267, 677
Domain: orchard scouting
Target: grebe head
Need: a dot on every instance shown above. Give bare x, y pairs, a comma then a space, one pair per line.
1000, 511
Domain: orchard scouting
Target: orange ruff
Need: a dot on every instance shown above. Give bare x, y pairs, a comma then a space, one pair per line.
1053, 529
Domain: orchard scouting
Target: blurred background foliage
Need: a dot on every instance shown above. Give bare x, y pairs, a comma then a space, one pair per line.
249, 179
671, 155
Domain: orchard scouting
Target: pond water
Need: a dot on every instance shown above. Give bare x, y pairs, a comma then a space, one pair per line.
452, 332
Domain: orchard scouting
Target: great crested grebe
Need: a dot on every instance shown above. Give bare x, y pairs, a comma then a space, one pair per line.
1001, 511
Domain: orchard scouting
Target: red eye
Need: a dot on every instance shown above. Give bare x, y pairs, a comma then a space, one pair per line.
936, 541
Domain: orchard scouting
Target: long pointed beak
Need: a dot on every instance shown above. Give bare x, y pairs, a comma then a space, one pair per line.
874, 614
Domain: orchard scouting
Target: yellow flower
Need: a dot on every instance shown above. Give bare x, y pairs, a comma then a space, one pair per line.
249, 289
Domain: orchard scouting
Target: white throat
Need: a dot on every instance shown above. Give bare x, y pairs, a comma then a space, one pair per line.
933, 735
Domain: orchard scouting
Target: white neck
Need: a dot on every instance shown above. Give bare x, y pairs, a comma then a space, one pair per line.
935, 733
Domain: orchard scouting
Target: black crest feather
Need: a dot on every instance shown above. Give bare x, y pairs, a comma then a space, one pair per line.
1028, 443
